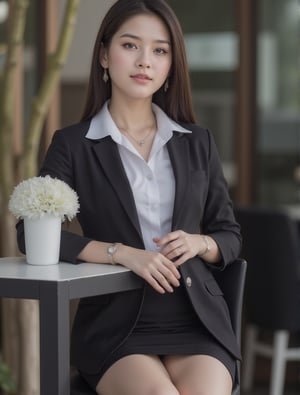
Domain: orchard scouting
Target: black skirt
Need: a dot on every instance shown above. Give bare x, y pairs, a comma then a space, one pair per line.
168, 325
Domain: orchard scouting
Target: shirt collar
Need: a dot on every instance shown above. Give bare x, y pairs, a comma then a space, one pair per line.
102, 125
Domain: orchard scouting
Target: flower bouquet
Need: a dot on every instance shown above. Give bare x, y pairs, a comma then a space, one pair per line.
43, 203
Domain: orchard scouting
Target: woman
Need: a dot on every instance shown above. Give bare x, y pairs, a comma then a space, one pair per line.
152, 198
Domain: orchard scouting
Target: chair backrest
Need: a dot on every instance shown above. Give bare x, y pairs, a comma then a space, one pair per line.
232, 282
270, 246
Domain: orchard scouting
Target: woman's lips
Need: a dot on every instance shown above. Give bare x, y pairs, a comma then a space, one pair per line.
143, 78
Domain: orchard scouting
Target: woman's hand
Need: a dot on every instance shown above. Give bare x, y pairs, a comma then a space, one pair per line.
180, 246
158, 270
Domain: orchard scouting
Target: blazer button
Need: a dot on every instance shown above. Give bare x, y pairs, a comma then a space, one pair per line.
188, 281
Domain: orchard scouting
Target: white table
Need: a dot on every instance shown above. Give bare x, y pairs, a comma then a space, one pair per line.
54, 286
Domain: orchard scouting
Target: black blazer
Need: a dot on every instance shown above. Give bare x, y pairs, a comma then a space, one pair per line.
108, 213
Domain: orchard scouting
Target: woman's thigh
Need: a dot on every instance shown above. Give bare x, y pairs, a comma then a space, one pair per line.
136, 375
198, 375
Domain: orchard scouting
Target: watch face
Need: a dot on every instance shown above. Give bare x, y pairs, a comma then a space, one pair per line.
111, 249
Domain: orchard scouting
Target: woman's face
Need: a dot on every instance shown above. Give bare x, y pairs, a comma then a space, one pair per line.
139, 57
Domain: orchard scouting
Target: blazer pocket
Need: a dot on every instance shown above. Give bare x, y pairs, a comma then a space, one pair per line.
213, 288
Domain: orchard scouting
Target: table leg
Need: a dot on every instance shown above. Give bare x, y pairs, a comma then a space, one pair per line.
54, 339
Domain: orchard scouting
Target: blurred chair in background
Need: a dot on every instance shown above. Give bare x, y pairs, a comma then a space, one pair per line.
271, 246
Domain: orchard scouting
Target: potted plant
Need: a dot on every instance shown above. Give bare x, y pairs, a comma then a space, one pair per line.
43, 203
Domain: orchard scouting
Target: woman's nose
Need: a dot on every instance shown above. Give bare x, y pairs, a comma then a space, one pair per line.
143, 61
143, 65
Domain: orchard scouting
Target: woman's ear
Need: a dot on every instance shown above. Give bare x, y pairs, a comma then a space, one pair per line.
103, 57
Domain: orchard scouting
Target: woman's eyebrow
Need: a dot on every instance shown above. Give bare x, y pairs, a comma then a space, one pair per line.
128, 35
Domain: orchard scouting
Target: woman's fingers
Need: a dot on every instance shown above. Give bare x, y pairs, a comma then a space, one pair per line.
161, 273
173, 244
174, 249
171, 272
154, 284
179, 246
162, 281
160, 277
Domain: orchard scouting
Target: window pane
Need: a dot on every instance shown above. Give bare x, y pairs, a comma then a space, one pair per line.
278, 99
212, 48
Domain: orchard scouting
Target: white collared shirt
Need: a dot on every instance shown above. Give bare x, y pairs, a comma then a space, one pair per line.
152, 182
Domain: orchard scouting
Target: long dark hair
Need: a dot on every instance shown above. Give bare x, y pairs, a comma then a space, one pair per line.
177, 101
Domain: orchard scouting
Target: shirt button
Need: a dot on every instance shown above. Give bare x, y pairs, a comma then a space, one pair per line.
188, 281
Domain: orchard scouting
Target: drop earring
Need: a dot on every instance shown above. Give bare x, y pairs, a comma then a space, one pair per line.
105, 76
166, 86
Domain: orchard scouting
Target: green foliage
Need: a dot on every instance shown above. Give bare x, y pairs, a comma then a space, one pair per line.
7, 383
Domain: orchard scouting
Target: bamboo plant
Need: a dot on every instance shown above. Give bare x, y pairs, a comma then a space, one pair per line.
20, 323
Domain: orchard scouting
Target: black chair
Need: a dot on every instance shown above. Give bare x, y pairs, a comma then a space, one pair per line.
231, 281
272, 293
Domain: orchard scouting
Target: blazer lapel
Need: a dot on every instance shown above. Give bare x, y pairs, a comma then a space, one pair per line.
179, 156
108, 155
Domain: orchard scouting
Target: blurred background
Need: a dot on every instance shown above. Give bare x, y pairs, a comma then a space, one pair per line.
244, 59
244, 63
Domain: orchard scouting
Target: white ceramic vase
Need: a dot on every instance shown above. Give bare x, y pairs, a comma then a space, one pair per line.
42, 240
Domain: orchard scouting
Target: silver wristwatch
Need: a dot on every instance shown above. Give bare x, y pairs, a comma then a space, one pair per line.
110, 251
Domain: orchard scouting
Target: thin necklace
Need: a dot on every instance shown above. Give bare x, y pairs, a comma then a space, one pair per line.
144, 139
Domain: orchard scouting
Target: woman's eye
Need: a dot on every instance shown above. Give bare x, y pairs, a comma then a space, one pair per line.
161, 51
129, 46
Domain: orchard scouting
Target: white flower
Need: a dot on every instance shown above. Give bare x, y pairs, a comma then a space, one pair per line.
37, 196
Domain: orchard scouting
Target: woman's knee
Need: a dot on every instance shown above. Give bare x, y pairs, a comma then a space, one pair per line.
199, 375
137, 375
